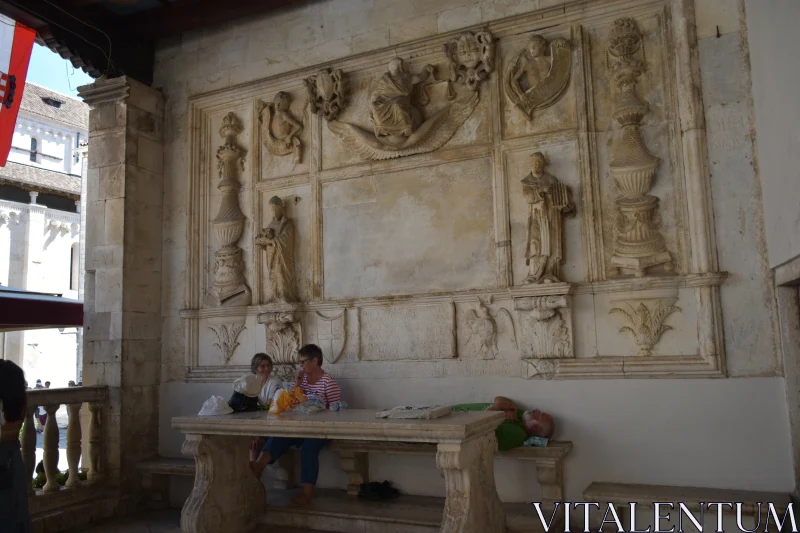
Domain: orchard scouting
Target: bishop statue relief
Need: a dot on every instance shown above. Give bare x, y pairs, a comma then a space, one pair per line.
278, 240
548, 199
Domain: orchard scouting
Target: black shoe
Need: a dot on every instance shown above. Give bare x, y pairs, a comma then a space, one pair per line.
388, 492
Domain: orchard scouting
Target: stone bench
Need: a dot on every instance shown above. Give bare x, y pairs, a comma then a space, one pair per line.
621, 495
549, 462
156, 473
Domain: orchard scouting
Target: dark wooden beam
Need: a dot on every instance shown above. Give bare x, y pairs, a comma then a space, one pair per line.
174, 18
92, 43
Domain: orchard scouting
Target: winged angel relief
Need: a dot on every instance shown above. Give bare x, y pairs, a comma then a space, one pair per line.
400, 127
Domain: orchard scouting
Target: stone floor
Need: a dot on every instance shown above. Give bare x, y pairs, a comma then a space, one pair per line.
167, 521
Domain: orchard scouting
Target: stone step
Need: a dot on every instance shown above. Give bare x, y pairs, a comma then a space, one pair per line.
334, 511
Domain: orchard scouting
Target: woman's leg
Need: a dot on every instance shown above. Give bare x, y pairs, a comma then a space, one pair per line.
309, 468
271, 452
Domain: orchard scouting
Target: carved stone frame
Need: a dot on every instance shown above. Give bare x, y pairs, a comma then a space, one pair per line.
690, 175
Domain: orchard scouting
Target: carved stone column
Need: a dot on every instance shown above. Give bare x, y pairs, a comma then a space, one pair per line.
638, 244
229, 287
468, 470
29, 447
122, 300
227, 498
50, 455
74, 444
284, 331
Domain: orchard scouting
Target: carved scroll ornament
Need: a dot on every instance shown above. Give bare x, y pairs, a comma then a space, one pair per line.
280, 131
471, 58
327, 93
399, 126
535, 81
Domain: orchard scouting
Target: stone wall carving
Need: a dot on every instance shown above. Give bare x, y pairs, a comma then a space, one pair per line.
549, 200
226, 339
278, 241
470, 57
327, 93
638, 244
535, 81
646, 324
546, 324
329, 333
399, 126
482, 329
229, 287
389, 252
280, 130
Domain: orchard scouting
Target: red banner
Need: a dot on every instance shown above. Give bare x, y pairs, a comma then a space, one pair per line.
16, 44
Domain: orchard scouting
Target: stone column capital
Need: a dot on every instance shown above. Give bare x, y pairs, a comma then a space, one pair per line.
105, 90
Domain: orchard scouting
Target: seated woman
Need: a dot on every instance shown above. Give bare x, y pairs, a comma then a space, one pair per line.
14, 515
317, 383
518, 425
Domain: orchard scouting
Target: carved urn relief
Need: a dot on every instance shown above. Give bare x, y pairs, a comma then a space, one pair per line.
229, 287
638, 244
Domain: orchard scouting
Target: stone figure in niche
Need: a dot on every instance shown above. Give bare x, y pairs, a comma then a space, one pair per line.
470, 57
327, 93
536, 81
548, 200
280, 130
278, 240
399, 126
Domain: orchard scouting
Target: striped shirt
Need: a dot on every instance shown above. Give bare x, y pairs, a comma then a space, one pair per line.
326, 389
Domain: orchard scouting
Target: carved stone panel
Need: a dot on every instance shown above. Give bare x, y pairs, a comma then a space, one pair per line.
227, 335
409, 232
329, 332
408, 332
284, 133
284, 333
485, 330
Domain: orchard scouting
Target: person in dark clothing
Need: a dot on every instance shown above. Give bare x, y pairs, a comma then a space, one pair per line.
14, 517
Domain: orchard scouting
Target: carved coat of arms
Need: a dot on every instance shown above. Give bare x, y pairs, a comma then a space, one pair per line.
328, 333
535, 79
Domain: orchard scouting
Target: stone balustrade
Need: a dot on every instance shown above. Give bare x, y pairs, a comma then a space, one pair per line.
52, 495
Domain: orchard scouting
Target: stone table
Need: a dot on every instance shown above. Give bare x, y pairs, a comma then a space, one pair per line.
227, 497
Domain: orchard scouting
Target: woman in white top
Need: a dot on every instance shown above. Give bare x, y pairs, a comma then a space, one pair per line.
261, 365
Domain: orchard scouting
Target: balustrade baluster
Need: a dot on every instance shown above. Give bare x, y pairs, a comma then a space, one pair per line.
51, 449
29, 447
74, 444
95, 473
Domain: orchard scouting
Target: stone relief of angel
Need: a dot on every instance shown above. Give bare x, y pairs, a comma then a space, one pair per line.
280, 131
536, 79
482, 326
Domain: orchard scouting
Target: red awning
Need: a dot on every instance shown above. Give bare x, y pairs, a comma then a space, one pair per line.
20, 310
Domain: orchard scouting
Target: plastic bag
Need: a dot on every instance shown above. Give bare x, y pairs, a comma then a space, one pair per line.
338, 406
313, 405
285, 400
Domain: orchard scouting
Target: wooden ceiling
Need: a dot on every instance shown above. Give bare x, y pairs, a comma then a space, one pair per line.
117, 37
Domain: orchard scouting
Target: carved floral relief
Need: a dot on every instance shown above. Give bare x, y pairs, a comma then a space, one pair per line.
536, 78
546, 334
646, 324
226, 339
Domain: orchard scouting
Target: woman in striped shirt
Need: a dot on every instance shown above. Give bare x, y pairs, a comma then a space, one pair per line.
317, 383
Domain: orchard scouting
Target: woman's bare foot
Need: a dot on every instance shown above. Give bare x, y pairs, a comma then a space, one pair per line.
301, 499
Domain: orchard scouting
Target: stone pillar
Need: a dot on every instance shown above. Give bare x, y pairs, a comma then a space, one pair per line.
83, 151
122, 299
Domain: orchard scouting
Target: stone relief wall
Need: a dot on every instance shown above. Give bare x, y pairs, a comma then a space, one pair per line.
503, 200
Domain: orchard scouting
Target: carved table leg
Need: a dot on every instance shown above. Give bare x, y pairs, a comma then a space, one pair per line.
227, 497
356, 466
472, 504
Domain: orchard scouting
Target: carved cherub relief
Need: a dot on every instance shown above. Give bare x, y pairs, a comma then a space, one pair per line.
470, 57
279, 129
399, 126
536, 80
327, 93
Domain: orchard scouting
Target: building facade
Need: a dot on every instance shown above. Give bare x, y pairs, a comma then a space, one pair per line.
40, 224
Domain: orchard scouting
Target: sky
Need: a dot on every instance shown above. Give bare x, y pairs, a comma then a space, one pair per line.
48, 69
